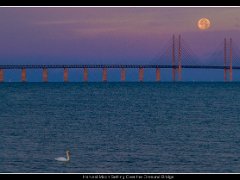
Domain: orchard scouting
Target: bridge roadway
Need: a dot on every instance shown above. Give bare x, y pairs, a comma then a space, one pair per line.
115, 66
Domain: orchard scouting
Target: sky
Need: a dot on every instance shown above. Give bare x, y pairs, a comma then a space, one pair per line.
110, 35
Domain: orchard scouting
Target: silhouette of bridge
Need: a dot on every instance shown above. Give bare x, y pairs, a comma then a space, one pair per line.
177, 55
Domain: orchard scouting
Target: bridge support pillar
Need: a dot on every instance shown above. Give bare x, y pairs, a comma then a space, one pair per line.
179, 59
65, 75
24, 75
1, 75
173, 59
157, 74
104, 74
141, 74
85, 74
173, 74
123, 74
225, 60
230, 69
225, 74
45, 75
230, 74
179, 73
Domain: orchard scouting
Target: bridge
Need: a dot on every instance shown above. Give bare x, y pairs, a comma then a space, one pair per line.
177, 56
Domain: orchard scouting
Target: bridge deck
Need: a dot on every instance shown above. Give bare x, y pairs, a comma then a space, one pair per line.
114, 66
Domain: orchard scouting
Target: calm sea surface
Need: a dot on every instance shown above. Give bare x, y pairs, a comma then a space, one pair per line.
120, 127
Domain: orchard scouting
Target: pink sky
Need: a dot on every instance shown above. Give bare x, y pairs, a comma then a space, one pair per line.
108, 35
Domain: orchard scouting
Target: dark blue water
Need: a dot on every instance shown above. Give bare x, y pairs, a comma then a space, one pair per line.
120, 127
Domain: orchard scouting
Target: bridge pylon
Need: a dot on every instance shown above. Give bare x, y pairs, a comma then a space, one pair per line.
177, 54
173, 59
179, 59
226, 58
230, 59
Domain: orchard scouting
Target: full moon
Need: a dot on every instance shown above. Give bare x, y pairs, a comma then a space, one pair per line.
203, 23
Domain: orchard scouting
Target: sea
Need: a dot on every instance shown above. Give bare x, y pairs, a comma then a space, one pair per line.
120, 127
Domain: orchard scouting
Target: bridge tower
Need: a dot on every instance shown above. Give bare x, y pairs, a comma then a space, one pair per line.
173, 59
230, 59
179, 59
176, 45
226, 57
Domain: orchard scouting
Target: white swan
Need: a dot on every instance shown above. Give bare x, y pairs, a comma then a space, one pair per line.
63, 159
